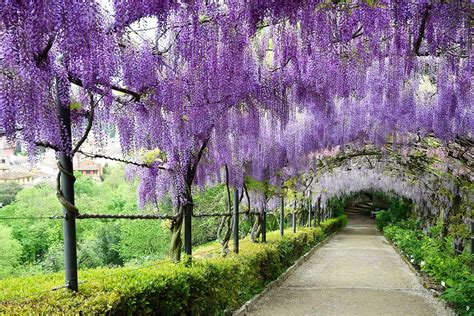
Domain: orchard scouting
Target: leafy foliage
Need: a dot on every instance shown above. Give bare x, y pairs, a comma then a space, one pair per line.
100, 242
211, 285
8, 191
435, 256
398, 210
10, 250
142, 240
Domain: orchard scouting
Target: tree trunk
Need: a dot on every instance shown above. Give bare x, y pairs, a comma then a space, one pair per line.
176, 240
225, 240
256, 229
185, 205
227, 220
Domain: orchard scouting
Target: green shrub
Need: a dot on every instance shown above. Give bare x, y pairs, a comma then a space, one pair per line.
209, 286
382, 219
435, 256
337, 205
398, 210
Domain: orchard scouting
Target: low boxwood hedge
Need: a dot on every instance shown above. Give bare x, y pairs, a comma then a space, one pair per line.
210, 286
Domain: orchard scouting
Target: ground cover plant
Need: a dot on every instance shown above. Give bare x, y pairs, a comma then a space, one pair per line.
435, 256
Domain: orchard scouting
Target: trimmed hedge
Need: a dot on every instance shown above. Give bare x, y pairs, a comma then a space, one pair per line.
435, 257
209, 286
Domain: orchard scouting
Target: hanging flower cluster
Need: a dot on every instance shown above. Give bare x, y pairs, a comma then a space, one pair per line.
255, 85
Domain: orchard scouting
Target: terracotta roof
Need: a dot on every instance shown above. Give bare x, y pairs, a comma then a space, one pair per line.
40, 174
79, 168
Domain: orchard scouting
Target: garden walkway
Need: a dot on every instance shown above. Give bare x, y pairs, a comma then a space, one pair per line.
356, 273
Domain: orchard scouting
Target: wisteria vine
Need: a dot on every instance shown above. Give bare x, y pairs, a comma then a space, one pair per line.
258, 86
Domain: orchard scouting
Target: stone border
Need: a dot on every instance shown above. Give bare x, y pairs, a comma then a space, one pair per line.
244, 309
434, 293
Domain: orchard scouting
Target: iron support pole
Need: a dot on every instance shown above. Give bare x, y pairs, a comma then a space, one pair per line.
188, 246
309, 210
319, 211
282, 215
264, 225
472, 237
294, 218
236, 220
67, 188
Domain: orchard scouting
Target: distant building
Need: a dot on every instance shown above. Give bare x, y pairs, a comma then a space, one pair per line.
5, 150
89, 168
4, 167
43, 177
22, 178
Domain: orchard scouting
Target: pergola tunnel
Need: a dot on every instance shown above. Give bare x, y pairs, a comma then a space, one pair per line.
228, 139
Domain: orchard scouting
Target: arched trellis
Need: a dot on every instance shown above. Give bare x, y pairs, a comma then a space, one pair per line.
437, 177
49, 56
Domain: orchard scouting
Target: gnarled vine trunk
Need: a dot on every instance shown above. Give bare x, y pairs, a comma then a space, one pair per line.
256, 229
176, 240
185, 205
227, 221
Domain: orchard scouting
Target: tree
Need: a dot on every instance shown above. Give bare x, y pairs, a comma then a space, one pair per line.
143, 240
8, 191
36, 233
10, 249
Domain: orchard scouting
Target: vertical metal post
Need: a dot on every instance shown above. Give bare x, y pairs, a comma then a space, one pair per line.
236, 220
472, 237
188, 244
294, 217
282, 215
319, 211
67, 188
310, 206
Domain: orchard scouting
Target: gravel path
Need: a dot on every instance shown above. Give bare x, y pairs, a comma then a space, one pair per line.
356, 273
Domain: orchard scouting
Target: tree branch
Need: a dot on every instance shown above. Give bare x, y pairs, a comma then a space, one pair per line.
135, 95
281, 67
92, 155
192, 168
41, 57
46, 145
358, 32
89, 124
421, 32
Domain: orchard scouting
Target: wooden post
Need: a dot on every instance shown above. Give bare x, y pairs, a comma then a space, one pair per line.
264, 224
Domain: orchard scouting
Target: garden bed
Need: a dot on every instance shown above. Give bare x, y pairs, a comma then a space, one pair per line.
436, 261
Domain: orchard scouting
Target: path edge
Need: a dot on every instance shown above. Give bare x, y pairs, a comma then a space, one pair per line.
436, 295
246, 308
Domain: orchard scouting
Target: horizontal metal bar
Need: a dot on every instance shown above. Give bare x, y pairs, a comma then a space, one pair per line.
123, 216
223, 214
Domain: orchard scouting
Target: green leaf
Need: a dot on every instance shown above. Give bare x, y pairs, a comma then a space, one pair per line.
450, 282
